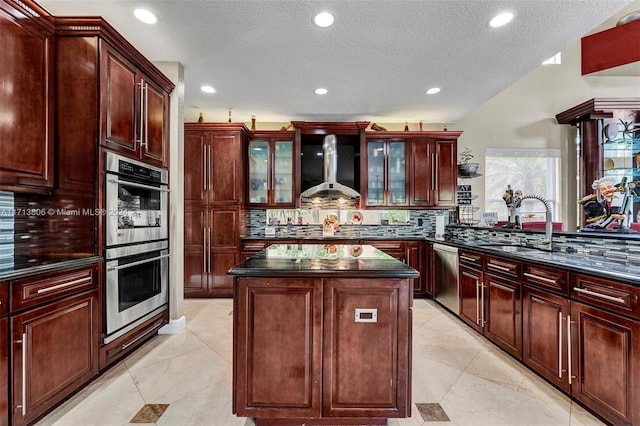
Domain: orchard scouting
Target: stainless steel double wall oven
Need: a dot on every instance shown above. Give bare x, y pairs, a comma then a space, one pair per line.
137, 253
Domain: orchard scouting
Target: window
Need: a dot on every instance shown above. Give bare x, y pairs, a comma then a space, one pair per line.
532, 171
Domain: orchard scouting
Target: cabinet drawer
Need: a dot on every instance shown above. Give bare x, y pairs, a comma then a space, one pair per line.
613, 295
503, 266
470, 258
547, 278
30, 292
254, 245
390, 246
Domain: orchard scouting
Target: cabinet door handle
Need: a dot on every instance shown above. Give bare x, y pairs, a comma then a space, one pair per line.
23, 343
146, 116
569, 348
209, 252
600, 295
433, 172
209, 184
204, 249
560, 345
538, 277
63, 285
482, 323
477, 302
141, 124
499, 268
470, 259
205, 179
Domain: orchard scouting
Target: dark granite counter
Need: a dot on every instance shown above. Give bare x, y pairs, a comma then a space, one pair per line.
22, 267
323, 260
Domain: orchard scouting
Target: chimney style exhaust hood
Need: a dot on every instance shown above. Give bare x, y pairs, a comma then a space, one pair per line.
330, 193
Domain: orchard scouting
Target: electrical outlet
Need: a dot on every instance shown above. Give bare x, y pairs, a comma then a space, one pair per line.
419, 222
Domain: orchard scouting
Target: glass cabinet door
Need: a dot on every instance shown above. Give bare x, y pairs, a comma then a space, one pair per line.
283, 172
375, 173
258, 171
387, 173
397, 173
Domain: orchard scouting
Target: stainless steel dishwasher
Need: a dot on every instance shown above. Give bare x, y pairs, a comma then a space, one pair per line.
446, 276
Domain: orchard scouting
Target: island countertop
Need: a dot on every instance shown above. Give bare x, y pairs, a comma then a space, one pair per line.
326, 260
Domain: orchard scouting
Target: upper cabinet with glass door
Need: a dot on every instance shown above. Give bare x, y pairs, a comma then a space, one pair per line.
387, 173
270, 166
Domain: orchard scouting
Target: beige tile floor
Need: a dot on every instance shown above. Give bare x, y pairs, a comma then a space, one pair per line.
473, 381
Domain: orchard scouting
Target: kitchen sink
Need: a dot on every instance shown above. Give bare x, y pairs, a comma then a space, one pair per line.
513, 248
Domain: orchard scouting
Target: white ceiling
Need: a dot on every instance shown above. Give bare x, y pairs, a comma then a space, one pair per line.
265, 57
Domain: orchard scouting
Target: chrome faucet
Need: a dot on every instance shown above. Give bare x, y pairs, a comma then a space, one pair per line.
548, 223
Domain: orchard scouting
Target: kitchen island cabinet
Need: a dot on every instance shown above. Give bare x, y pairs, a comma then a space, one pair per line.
337, 350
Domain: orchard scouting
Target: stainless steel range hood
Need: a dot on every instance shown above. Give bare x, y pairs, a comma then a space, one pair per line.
330, 193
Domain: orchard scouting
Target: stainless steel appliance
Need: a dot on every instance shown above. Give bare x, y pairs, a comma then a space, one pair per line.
136, 285
136, 201
446, 276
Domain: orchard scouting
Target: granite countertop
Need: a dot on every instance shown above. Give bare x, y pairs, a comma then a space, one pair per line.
22, 267
323, 260
577, 262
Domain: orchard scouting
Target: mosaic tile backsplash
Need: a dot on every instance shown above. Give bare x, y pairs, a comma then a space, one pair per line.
301, 223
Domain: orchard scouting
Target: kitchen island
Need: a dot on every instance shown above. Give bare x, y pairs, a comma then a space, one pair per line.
322, 335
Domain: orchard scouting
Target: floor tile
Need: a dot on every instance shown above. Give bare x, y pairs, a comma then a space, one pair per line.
473, 381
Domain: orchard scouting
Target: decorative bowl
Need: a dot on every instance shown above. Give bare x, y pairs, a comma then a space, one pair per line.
468, 169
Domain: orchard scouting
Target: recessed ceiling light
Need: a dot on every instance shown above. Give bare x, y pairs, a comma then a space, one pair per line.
208, 89
433, 91
501, 19
145, 16
323, 19
321, 91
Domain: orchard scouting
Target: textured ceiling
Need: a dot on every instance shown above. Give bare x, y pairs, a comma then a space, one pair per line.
265, 57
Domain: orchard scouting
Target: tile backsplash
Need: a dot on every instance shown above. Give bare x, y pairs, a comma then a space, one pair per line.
375, 223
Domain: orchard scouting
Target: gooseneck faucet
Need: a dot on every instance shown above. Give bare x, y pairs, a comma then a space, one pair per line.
548, 223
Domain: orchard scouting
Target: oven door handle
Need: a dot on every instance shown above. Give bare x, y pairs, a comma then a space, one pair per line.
139, 185
140, 262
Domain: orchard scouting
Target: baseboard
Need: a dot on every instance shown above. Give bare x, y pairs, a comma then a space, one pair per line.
174, 326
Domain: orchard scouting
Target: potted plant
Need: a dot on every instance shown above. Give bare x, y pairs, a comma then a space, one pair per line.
466, 168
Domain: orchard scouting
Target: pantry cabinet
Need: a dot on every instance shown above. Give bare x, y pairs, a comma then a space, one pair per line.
117, 97
213, 195
27, 93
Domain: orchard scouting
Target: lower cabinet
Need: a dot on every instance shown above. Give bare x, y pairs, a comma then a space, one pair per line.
545, 343
300, 354
54, 333
54, 329
605, 364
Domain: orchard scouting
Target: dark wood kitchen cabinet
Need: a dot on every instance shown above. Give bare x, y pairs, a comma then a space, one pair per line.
270, 169
4, 354
117, 97
27, 93
213, 195
386, 172
54, 339
433, 171
491, 300
309, 359
470, 279
605, 338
